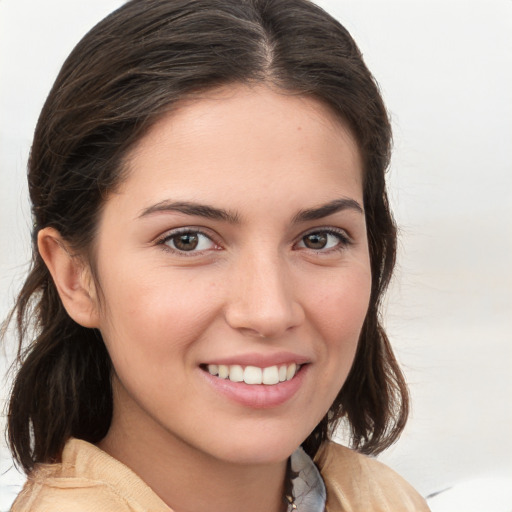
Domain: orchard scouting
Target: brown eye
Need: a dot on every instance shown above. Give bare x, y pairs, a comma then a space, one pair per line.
324, 240
186, 241
189, 241
315, 240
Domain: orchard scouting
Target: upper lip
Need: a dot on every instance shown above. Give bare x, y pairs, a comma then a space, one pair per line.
261, 360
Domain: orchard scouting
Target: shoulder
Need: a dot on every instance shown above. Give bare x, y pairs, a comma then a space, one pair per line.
74, 495
87, 480
356, 482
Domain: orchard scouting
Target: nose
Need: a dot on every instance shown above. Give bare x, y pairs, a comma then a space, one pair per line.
262, 299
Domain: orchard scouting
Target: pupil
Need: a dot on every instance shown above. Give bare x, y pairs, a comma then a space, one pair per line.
186, 242
316, 241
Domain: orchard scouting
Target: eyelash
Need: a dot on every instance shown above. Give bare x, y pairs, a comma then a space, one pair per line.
341, 235
343, 239
183, 231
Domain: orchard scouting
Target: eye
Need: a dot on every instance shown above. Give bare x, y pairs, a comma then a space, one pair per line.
188, 241
324, 240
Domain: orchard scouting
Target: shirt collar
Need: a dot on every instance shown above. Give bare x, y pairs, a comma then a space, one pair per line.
307, 485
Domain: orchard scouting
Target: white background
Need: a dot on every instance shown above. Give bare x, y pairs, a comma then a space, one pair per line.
445, 69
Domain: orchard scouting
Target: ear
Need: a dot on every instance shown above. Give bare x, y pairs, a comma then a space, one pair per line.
71, 276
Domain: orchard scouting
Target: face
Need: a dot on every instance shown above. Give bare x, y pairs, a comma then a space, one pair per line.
235, 275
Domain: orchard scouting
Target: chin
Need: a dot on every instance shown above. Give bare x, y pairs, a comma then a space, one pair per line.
261, 447
260, 453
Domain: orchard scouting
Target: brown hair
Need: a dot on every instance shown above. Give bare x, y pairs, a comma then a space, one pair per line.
129, 70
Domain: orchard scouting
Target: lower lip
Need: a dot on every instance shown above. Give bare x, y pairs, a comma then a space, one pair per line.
257, 396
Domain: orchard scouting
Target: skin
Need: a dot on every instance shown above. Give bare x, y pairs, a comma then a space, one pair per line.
253, 286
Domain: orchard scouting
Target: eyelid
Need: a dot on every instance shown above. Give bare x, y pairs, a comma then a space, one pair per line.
342, 234
164, 237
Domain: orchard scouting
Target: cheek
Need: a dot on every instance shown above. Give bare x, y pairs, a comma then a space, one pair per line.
338, 315
342, 305
153, 316
337, 312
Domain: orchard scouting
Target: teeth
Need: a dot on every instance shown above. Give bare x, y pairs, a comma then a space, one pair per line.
253, 375
236, 373
270, 375
223, 371
291, 371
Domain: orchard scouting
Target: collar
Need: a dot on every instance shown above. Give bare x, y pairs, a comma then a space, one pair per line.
308, 489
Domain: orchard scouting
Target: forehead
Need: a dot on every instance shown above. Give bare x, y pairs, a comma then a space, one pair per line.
248, 137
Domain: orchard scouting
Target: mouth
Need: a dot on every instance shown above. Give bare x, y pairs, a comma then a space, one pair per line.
254, 375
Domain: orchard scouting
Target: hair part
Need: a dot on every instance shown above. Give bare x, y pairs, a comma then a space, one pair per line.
132, 68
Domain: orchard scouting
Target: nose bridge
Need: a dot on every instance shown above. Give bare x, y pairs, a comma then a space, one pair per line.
262, 299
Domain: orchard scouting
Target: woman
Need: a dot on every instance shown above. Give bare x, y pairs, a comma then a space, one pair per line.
212, 239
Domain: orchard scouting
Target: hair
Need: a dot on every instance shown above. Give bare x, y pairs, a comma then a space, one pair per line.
132, 68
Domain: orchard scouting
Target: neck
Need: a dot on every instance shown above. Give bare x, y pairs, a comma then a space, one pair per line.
189, 480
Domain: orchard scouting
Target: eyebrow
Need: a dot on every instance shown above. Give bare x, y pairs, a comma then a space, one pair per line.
327, 209
190, 208
210, 212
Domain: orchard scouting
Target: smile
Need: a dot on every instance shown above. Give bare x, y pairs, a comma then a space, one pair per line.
254, 375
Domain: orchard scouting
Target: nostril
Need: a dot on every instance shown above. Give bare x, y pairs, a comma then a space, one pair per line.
253, 332
264, 321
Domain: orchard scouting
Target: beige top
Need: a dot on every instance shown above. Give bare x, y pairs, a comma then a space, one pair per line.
89, 480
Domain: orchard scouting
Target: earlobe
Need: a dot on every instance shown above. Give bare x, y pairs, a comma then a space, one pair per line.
71, 276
